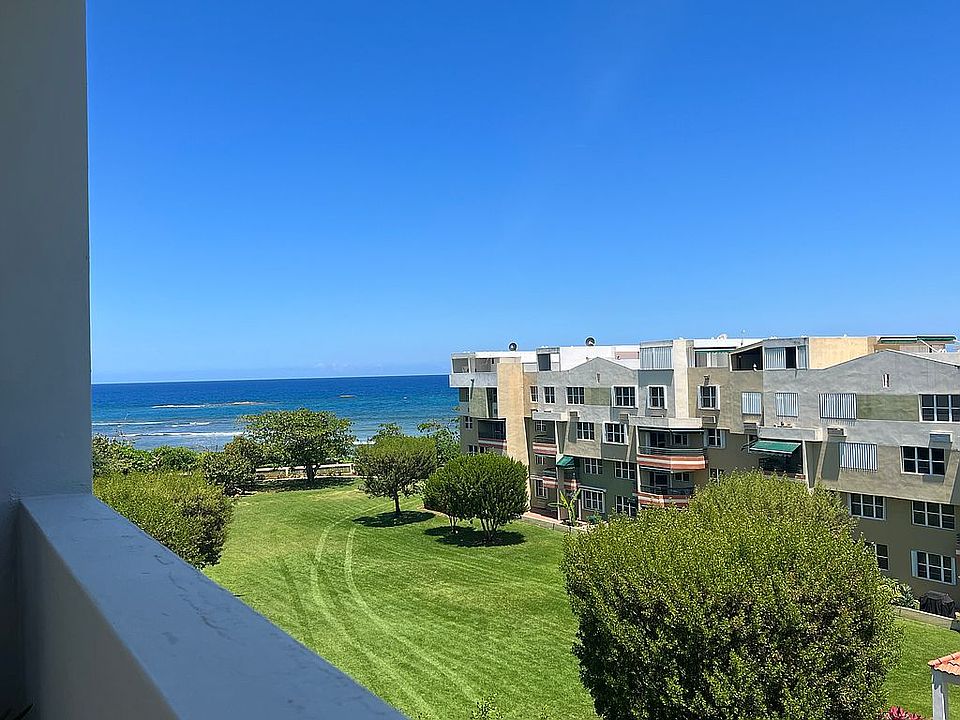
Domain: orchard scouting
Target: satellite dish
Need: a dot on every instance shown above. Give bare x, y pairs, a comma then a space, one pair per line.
512, 347
590, 342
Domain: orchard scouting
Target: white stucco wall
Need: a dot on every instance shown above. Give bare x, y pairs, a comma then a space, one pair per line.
45, 346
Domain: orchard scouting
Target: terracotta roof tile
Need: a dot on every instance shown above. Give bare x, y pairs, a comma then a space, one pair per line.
949, 664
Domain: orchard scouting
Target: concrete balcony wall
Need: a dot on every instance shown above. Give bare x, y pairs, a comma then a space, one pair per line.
117, 626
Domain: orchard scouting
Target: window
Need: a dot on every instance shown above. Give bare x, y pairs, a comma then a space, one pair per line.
592, 466
575, 396
541, 460
534, 393
592, 499
464, 394
543, 362
615, 433
715, 438
550, 395
586, 431
624, 396
541, 426
867, 506
934, 515
467, 422
924, 461
788, 404
658, 439
539, 489
711, 358
680, 439
751, 403
624, 470
626, 506
473, 449
657, 397
930, 566
682, 479
660, 480
885, 381
858, 456
708, 397
940, 408
716, 473
838, 406
656, 358
883, 556
785, 358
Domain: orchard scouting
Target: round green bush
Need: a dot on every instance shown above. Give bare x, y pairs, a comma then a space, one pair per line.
757, 602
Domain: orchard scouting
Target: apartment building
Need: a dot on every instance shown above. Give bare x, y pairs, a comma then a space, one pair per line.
632, 426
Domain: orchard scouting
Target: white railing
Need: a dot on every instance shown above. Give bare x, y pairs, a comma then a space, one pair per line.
114, 625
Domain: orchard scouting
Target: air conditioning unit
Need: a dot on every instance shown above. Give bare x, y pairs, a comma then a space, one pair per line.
836, 432
941, 438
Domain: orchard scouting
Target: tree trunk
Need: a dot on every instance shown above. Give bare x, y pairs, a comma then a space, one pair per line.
310, 472
396, 502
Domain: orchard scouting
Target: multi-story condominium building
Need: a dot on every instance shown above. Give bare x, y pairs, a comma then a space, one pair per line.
631, 426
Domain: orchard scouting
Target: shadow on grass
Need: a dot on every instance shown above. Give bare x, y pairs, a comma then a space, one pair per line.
466, 536
285, 484
391, 519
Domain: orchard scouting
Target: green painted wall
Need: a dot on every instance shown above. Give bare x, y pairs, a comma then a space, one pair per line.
596, 395
887, 407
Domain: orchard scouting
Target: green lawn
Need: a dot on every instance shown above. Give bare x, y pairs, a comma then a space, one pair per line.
432, 626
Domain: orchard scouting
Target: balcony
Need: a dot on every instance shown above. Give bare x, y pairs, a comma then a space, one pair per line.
660, 496
98, 620
671, 459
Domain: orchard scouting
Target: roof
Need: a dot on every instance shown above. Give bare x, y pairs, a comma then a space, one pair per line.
949, 664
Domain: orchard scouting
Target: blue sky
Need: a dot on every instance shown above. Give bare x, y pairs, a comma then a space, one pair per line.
304, 189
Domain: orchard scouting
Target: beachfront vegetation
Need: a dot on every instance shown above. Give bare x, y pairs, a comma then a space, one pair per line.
117, 455
447, 438
395, 465
300, 437
489, 488
758, 601
432, 621
181, 510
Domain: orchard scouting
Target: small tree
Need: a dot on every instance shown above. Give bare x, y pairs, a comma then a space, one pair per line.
394, 466
247, 449
229, 470
498, 485
300, 437
450, 491
447, 438
758, 601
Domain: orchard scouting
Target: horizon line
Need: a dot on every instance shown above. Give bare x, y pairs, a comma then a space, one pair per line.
328, 377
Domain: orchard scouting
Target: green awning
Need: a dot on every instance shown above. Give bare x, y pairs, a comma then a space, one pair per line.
565, 462
777, 447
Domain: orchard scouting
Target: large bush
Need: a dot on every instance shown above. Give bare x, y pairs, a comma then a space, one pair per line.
489, 488
757, 602
182, 511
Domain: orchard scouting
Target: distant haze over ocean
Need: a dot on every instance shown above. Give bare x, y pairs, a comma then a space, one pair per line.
205, 415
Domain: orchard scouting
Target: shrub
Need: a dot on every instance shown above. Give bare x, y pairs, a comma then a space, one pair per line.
450, 491
183, 512
498, 485
176, 459
117, 455
901, 594
756, 602
230, 471
487, 709
898, 713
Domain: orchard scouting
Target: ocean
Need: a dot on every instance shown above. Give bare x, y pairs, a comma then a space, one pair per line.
205, 415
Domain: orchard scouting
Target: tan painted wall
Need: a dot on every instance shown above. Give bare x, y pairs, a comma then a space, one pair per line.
511, 394
826, 351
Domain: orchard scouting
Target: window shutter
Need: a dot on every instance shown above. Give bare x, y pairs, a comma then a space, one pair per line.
775, 358
858, 456
751, 403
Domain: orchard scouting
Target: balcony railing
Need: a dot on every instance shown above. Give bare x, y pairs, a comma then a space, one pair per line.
117, 626
545, 439
669, 491
649, 450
